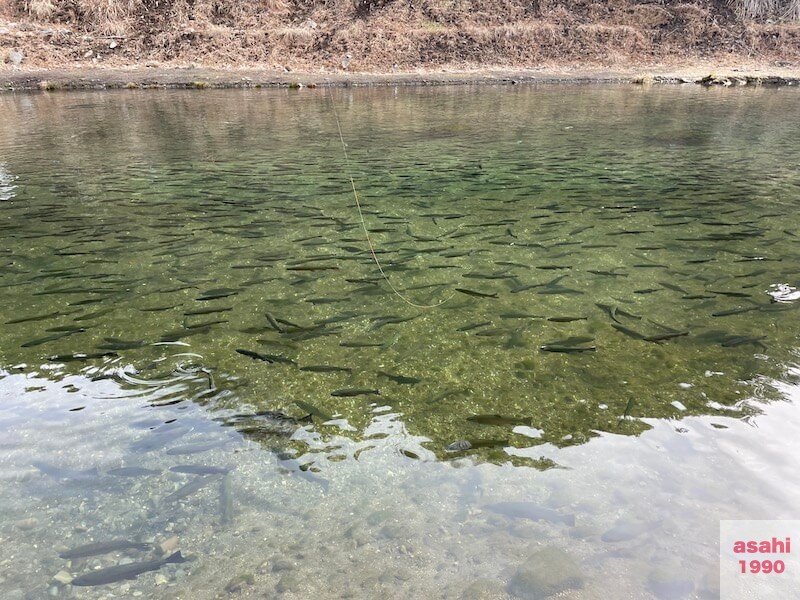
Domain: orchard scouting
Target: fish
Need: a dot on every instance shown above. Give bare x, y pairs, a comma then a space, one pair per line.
35, 318
204, 325
277, 358
273, 322
378, 322
673, 287
476, 294
734, 311
80, 356
629, 332
97, 548
739, 340
628, 408
402, 379
313, 410
195, 485
697, 297
95, 314
129, 571
494, 332
157, 308
254, 355
207, 311
660, 337
326, 369
349, 392
532, 511
133, 472
68, 474
474, 326
45, 339
201, 469
215, 294
313, 268
360, 344
226, 510
500, 420
159, 438
731, 294
558, 290
566, 349
463, 445
566, 319
607, 273
572, 340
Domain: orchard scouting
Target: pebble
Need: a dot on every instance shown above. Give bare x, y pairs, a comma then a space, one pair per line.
160, 579
238, 582
62, 577
14, 57
26, 524
288, 583
545, 573
169, 545
483, 589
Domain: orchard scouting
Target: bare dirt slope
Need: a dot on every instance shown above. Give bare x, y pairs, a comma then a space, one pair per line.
388, 36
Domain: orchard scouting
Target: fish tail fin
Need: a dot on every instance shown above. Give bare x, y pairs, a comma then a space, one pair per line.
177, 557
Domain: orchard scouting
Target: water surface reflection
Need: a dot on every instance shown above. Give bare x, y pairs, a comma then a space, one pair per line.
200, 354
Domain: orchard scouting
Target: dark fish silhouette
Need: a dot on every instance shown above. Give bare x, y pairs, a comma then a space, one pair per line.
476, 294
129, 571
500, 420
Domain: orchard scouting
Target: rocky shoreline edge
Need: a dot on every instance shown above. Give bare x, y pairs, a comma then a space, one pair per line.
240, 78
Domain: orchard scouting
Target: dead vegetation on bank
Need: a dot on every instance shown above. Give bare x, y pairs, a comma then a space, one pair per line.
398, 34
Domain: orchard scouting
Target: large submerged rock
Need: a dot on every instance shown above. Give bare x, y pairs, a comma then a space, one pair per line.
545, 573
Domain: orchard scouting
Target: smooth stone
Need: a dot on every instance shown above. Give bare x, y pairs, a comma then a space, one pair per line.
26, 524
288, 583
545, 573
484, 589
63, 577
394, 531
282, 564
238, 582
168, 546
359, 534
14, 57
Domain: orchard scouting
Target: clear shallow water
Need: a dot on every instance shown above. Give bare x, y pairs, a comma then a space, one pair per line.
156, 231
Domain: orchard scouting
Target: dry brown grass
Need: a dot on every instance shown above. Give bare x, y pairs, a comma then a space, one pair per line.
382, 34
41, 10
787, 10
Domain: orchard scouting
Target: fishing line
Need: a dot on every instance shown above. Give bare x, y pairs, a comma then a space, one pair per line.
364, 224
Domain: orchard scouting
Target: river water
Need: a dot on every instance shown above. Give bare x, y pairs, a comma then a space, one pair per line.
578, 354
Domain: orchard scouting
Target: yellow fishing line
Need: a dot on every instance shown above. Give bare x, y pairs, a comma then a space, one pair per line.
364, 224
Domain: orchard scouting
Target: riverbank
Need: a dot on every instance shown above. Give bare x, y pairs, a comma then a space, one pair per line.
81, 77
60, 45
